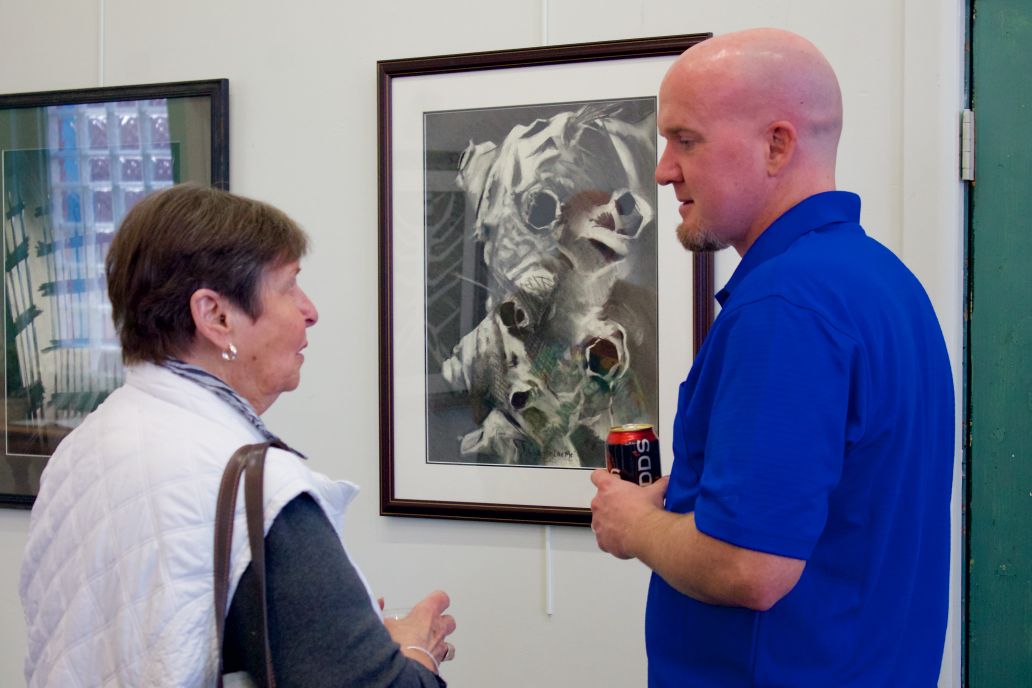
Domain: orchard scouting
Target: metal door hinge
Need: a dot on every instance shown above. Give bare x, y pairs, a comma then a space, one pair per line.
967, 145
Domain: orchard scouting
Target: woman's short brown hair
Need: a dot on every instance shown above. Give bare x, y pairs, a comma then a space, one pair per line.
182, 239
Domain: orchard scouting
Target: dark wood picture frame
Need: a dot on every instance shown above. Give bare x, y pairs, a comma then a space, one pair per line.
72, 162
396, 236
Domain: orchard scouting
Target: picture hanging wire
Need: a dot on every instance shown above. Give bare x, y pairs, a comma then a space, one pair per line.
549, 609
544, 22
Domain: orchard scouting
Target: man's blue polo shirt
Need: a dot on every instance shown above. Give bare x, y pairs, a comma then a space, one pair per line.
816, 423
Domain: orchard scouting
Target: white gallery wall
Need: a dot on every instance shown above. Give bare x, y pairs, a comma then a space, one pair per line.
303, 136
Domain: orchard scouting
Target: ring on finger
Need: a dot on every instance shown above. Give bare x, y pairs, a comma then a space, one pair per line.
449, 652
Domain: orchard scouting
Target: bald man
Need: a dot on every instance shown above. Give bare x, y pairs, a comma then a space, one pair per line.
804, 535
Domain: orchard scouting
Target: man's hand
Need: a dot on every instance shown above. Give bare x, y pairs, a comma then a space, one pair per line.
620, 511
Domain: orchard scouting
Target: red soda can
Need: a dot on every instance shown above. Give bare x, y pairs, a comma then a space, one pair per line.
632, 452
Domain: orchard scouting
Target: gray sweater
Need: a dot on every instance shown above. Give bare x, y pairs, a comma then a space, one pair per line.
322, 629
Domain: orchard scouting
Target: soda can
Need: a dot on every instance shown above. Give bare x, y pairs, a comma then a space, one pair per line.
632, 452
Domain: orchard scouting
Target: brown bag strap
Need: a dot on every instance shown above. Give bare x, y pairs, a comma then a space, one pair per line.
249, 460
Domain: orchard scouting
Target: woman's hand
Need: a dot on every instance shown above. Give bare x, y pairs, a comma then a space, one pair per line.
422, 633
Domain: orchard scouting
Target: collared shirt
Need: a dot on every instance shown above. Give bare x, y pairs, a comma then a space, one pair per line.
816, 423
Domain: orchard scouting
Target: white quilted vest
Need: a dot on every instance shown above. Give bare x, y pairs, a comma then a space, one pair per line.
116, 581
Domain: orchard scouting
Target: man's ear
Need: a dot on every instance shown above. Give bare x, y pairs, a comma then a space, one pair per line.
781, 142
211, 317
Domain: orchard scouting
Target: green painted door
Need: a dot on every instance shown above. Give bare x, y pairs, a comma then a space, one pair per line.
999, 628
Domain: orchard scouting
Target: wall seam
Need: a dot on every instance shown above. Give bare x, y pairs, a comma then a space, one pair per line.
101, 38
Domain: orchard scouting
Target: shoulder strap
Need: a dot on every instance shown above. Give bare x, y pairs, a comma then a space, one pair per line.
249, 460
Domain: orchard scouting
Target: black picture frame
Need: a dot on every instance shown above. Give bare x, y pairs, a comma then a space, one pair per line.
73, 161
571, 80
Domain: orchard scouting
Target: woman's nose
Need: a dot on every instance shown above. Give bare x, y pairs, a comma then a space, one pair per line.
309, 310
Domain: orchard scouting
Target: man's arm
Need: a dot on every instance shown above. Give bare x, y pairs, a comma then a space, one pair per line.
629, 521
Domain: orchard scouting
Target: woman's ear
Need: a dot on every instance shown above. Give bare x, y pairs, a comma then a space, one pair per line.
211, 317
781, 143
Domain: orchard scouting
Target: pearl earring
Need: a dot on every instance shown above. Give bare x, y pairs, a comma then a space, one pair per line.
230, 354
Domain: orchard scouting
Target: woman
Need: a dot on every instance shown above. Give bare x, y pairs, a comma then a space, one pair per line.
117, 577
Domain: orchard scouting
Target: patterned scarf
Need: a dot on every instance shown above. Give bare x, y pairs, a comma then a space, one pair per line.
225, 393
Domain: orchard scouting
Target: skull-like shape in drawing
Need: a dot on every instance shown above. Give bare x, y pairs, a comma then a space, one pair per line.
559, 206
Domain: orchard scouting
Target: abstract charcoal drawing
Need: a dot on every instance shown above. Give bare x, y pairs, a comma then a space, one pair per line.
541, 280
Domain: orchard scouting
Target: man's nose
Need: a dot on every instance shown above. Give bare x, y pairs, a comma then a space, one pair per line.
667, 171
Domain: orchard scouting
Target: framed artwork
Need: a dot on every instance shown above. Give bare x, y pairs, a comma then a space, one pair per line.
73, 163
532, 290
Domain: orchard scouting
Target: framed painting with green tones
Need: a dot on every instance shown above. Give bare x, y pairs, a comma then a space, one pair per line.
72, 163
532, 290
